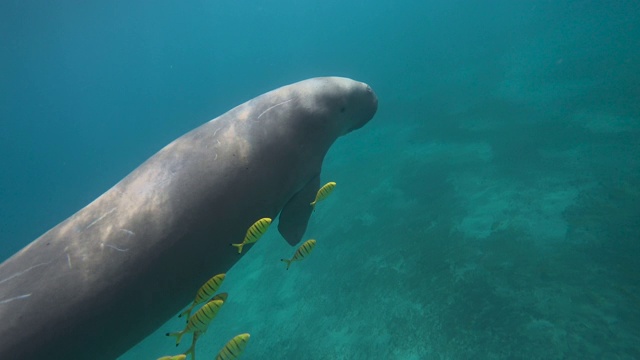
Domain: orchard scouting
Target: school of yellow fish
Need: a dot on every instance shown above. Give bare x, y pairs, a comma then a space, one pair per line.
198, 323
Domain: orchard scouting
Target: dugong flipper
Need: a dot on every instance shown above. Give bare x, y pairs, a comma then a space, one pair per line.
97, 283
296, 212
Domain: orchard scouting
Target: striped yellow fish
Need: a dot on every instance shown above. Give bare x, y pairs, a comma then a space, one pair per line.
196, 334
234, 348
205, 293
174, 357
304, 250
222, 296
324, 191
254, 233
199, 321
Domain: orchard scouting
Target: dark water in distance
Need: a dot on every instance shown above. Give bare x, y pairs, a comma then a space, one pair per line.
491, 210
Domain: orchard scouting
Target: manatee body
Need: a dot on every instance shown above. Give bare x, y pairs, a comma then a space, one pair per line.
100, 281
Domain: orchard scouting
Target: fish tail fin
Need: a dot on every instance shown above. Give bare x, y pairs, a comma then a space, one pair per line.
192, 348
178, 335
239, 246
287, 261
186, 313
192, 351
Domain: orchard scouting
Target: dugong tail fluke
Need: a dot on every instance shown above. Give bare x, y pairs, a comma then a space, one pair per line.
103, 279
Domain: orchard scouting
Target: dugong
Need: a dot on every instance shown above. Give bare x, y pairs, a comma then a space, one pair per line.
112, 273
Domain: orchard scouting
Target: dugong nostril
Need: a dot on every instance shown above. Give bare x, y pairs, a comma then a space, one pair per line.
373, 94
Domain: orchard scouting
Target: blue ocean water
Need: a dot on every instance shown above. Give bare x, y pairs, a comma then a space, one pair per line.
491, 210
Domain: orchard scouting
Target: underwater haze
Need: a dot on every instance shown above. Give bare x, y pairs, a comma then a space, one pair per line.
490, 210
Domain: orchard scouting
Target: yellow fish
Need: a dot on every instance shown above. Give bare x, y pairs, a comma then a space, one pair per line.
254, 233
205, 293
324, 192
303, 250
221, 296
200, 320
174, 357
234, 348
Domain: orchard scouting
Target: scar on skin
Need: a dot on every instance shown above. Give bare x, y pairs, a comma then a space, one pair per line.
115, 248
218, 129
166, 178
128, 232
15, 298
100, 218
24, 271
69, 260
271, 107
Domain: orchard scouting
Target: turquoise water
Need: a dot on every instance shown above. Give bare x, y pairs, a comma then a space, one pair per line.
491, 210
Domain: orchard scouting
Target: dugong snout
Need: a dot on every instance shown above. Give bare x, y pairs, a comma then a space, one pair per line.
365, 104
374, 100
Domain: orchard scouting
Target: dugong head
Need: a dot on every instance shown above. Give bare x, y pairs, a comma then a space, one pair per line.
347, 104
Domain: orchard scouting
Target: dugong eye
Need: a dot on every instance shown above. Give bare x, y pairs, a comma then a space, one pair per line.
342, 109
